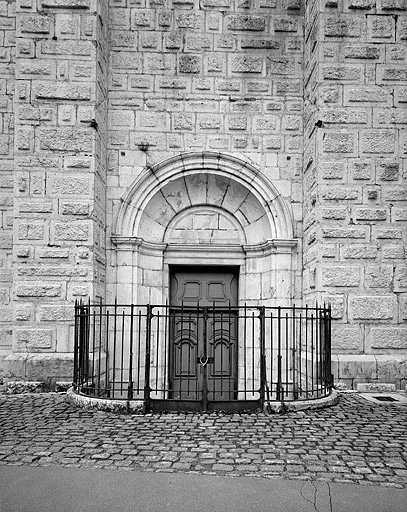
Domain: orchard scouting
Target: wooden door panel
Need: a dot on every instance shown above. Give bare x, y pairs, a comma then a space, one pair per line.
203, 353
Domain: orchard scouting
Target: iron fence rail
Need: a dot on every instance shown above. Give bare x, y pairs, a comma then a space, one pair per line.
202, 358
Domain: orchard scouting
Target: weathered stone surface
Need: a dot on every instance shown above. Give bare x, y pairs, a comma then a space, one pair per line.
71, 232
378, 276
38, 290
373, 308
347, 276
246, 23
389, 337
66, 4
338, 142
346, 338
66, 139
56, 313
360, 252
378, 141
34, 339
60, 91
35, 23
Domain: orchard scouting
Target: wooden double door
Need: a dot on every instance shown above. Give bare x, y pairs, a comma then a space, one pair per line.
203, 335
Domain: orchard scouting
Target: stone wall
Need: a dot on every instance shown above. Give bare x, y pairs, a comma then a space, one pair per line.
59, 178
355, 169
7, 74
312, 95
209, 75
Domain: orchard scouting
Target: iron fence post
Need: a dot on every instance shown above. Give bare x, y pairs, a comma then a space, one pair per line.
147, 388
262, 317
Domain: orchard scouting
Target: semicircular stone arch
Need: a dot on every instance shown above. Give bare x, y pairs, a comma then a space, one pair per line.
204, 209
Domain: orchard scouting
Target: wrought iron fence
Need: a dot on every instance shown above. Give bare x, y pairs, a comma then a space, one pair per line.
202, 358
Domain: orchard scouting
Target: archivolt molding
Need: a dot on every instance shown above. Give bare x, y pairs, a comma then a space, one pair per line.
138, 204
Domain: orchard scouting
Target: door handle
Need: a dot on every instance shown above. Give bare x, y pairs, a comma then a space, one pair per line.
204, 360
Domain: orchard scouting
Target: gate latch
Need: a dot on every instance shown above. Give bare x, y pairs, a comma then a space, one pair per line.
204, 360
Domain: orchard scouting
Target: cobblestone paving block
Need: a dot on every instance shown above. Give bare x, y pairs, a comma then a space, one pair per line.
355, 441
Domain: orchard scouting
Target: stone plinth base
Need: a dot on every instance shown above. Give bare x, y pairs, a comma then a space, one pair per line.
39, 367
380, 371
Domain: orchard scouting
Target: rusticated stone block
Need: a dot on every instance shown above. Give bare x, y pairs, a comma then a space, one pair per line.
363, 94
65, 4
394, 5
362, 4
285, 25
36, 207
346, 338
393, 252
67, 139
34, 339
246, 23
361, 170
23, 312
35, 24
357, 251
388, 170
38, 290
247, 64
378, 141
48, 271
53, 253
400, 279
347, 276
385, 233
362, 52
342, 72
61, 313
338, 142
31, 231
34, 68
266, 123
338, 232
389, 337
344, 116
381, 27
280, 66
394, 74
6, 241
395, 194
378, 276
373, 308
190, 20
340, 193
62, 91
71, 232
75, 208
336, 26
190, 64
371, 214
126, 60
6, 338
333, 213
70, 185
261, 44
400, 214
67, 48
6, 314
337, 303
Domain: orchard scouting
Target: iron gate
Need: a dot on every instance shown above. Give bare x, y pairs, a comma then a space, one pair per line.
202, 358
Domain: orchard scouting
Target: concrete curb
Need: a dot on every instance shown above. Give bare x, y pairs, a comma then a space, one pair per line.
137, 406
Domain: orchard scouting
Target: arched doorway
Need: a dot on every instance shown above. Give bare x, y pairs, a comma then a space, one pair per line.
191, 213
204, 209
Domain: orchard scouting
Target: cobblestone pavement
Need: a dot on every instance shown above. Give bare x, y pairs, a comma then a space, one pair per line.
355, 441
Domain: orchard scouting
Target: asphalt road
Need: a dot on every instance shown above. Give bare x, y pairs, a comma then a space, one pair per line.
54, 489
